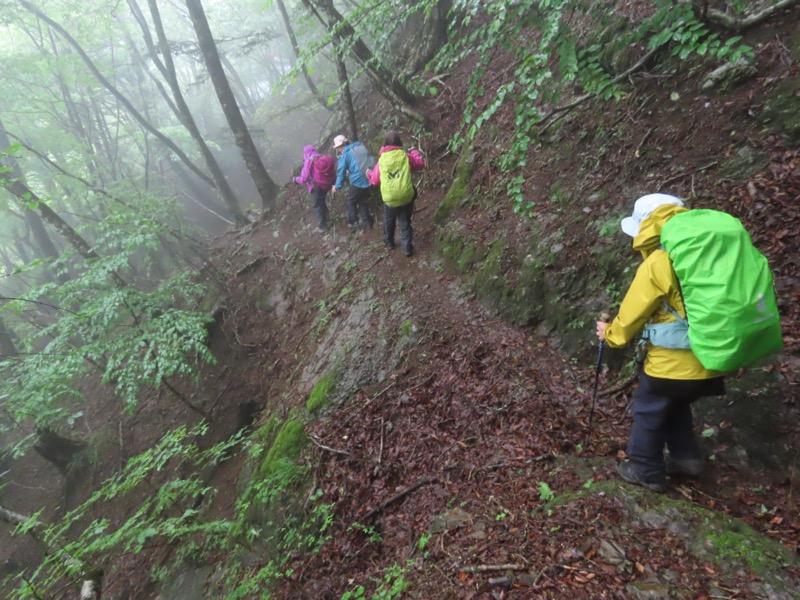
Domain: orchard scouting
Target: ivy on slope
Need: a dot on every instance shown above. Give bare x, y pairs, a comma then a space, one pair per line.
548, 42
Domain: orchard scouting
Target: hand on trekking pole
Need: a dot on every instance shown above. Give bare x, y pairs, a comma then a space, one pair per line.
605, 318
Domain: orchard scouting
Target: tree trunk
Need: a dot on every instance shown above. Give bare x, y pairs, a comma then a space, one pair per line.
296, 47
391, 88
76, 113
347, 97
7, 346
116, 93
168, 70
264, 184
56, 449
247, 104
45, 244
25, 196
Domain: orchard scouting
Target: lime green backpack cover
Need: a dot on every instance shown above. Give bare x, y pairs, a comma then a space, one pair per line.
727, 289
396, 186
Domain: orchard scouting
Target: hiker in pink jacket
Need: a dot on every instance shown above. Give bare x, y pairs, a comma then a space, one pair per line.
397, 190
317, 173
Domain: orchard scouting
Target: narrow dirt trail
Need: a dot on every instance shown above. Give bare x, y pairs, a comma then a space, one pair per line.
456, 448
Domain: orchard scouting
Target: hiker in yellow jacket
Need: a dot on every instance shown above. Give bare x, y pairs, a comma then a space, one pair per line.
672, 378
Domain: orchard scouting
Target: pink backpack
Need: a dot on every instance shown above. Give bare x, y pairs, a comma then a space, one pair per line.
324, 171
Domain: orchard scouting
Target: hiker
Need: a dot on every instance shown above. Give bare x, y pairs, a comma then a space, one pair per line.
397, 190
319, 174
354, 161
672, 378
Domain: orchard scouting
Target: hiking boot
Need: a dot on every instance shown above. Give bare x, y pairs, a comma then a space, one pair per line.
322, 230
389, 245
408, 250
691, 467
625, 470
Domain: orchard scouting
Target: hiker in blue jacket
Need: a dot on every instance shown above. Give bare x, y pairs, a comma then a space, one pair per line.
358, 197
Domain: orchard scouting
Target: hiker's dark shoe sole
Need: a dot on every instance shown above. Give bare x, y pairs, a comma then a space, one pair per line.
625, 470
691, 467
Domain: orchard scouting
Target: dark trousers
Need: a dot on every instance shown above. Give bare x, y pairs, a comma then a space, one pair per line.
320, 207
662, 415
402, 215
358, 200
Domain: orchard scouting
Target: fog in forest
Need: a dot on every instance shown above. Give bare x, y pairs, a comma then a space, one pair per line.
208, 391
88, 101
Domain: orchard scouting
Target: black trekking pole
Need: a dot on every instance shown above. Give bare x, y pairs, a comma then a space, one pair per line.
605, 317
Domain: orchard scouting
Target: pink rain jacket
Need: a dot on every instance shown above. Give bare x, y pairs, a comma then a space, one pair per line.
309, 154
415, 161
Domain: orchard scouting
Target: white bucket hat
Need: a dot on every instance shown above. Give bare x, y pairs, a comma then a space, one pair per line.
643, 208
339, 141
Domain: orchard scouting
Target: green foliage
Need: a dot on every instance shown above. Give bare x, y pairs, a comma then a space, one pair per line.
392, 584
407, 327
167, 512
372, 534
133, 337
170, 510
545, 493
546, 40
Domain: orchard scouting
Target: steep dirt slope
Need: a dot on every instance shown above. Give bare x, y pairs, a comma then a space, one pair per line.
456, 456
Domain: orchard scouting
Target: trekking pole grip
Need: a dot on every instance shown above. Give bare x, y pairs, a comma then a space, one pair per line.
605, 317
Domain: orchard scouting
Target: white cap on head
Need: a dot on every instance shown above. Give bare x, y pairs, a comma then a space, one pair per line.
339, 141
643, 208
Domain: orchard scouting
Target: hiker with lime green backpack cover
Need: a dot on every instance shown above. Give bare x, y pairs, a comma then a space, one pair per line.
704, 302
393, 175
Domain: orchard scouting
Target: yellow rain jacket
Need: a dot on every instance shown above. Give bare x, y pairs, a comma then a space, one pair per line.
654, 283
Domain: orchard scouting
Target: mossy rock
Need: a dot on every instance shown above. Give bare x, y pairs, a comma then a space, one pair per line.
745, 164
489, 282
754, 403
460, 250
273, 485
782, 108
729, 544
458, 194
289, 442
321, 395
528, 288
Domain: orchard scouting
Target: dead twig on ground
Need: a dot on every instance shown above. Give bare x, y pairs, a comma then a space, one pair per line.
739, 24
503, 465
488, 568
380, 453
369, 268
319, 444
619, 387
642, 143
399, 496
686, 174
251, 265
